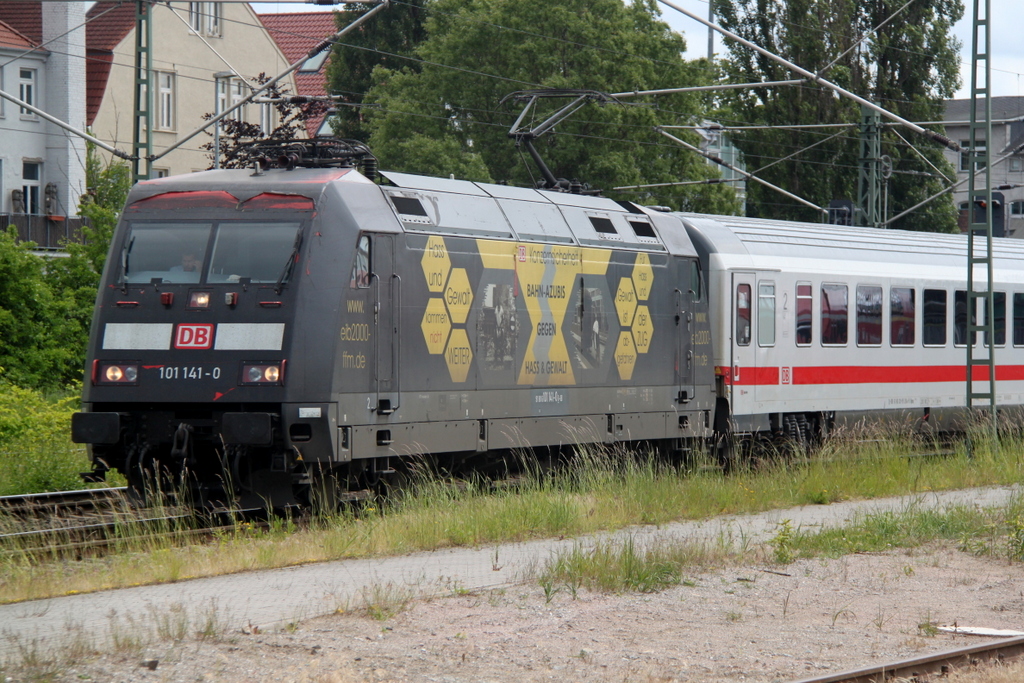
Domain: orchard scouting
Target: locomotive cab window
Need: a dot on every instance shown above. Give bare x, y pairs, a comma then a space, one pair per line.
696, 281
743, 315
835, 317
361, 265
242, 251
934, 317
804, 314
869, 315
901, 316
766, 314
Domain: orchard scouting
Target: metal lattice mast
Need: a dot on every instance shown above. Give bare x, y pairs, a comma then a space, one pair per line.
869, 196
979, 285
142, 134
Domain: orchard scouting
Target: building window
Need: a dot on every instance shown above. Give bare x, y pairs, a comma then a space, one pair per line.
165, 100
238, 93
27, 89
204, 18
1016, 208
31, 173
965, 145
267, 118
1016, 164
160, 173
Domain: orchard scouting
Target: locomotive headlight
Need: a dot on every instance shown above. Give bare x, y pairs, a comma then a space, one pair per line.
105, 372
263, 373
199, 300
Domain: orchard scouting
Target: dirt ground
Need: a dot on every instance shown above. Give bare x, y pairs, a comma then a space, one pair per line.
736, 624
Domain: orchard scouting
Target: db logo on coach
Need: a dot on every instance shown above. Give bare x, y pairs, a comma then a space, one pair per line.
193, 337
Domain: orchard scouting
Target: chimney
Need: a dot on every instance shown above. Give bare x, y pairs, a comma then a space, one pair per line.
64, 93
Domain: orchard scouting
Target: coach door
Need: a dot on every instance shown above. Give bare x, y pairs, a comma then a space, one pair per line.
684, 304
387, 323
740, 375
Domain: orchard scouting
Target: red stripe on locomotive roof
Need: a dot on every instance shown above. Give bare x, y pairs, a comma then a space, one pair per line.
857, 374
196, 199
272, 200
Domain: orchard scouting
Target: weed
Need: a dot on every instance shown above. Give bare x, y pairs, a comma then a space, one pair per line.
734, 616
550, 589
881, 619
928, 628
782, 543
385, 601
840, 613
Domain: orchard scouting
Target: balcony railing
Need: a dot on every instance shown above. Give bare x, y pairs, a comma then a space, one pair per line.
48, 232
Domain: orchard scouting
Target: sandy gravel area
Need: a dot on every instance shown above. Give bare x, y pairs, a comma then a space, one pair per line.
741, 623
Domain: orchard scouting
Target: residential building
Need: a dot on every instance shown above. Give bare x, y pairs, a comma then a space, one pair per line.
42, 167
205, 55
1007, 138
296, 34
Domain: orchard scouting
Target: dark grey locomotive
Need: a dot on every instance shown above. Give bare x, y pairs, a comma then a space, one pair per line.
259, 334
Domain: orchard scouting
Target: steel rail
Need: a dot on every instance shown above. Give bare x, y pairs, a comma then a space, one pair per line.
59, 499
917, 668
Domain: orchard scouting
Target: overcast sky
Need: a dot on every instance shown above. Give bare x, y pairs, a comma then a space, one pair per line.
1007, 47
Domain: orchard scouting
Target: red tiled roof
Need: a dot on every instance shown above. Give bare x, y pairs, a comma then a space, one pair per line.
9, 37
109, 24
106, 31
24, 17
296, 34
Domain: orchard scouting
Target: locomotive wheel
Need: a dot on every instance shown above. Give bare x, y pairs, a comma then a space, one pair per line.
148, 482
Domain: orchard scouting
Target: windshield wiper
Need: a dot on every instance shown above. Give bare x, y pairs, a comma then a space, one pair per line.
290, 264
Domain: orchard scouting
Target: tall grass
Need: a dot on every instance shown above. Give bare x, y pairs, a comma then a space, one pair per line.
600, 489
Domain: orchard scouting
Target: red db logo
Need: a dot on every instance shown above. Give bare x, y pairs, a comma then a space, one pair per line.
193, 337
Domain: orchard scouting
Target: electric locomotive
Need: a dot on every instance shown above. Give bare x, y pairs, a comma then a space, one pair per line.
261, 336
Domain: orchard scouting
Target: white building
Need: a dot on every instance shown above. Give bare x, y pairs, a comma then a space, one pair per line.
42, 167
1007, 138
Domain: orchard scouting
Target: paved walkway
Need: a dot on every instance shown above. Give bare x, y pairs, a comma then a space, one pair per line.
276, 597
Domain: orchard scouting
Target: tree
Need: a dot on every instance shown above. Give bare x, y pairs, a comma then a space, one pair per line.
444, 116
910, 66
385, 40
237, 136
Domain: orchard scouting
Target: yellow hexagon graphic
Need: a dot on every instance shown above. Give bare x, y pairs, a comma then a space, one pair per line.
458, 355
436, 263
458, 296
643, 276
435, 325
643, 329
625, 301
625, 355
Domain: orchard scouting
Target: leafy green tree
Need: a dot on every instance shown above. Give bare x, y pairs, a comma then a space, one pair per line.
910, 66
444, 117
386, 40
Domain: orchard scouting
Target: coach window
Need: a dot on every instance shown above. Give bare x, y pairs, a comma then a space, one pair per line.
869, 315
743, 315
934, 317
960, 300
835, 315
361, 266
999, 301
766, 314
1018, 319
804, 315
901, 316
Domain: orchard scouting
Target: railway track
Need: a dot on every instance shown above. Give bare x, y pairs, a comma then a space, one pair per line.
928, 667
54, 501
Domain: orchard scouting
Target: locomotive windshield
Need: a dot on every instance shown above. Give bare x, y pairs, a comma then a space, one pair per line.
250, 251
